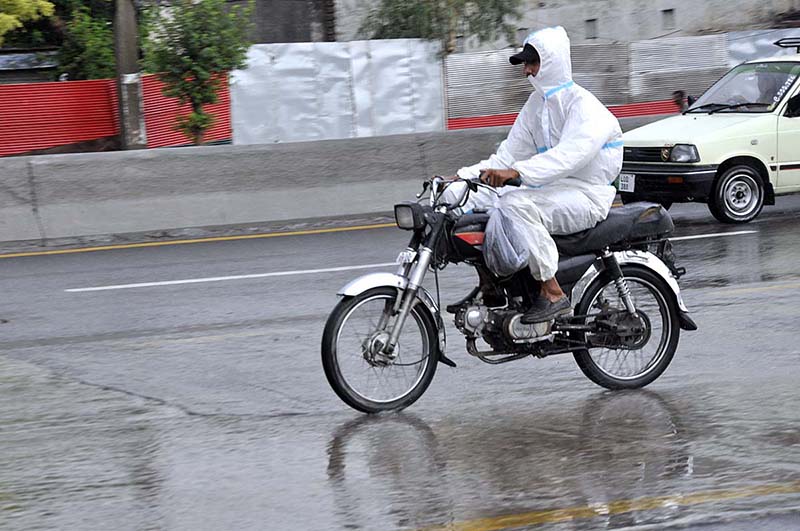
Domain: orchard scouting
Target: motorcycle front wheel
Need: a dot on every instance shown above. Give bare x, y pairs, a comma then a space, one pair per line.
359, 374
633, 359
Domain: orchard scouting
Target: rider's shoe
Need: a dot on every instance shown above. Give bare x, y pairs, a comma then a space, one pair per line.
543, 310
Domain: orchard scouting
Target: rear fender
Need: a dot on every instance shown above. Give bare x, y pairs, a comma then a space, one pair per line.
644, 260
392, 280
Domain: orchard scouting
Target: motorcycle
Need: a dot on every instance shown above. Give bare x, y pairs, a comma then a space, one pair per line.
385, 338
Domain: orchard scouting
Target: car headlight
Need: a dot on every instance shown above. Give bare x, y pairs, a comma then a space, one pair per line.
409, 216
684, 153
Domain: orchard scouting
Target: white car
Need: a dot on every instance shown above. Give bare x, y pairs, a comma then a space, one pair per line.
735, 148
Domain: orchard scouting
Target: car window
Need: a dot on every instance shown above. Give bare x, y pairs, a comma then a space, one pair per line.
752, 87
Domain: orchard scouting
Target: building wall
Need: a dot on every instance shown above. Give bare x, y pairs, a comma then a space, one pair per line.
292, 20
616, 20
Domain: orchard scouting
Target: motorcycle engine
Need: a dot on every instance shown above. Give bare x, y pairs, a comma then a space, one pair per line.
477, 321
472, 320
520, 332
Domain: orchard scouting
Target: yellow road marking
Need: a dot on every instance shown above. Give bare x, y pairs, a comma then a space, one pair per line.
553, 516
774, 287
198, 240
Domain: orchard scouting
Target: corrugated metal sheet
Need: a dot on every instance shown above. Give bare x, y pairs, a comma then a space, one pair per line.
691, 64
679, 53
660, 85
44, 115
483, 83
161, 112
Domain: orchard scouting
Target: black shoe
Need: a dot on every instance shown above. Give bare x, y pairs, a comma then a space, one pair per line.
543, 311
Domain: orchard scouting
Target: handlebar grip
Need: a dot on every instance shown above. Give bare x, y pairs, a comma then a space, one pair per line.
514, 182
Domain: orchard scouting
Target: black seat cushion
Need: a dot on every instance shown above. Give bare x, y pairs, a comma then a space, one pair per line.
630, 223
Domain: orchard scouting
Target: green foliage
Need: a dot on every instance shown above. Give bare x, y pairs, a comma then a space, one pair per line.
192, 46
88, 49
442, 20
15, 13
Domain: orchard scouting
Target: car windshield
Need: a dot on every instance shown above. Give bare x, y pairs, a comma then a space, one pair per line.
749, 88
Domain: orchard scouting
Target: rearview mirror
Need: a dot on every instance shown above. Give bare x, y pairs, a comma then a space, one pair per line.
793, 108
690, 100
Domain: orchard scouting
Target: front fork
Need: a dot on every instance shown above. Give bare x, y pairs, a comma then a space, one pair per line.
615, 272
416, 274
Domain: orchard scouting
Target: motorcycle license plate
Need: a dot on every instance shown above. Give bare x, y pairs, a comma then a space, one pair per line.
406, 257
627, 182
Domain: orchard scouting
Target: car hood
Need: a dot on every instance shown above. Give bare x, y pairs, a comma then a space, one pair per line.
691, 128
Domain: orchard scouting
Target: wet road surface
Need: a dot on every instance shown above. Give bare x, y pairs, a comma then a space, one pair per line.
203, 405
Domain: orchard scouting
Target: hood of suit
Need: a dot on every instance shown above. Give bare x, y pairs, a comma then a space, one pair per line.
555, 69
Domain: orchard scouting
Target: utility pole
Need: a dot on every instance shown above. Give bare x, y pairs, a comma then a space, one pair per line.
129, 80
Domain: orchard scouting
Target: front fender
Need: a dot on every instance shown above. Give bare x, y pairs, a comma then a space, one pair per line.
638, 258
392, 280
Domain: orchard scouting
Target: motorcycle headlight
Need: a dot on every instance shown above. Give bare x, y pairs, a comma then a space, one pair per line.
409, 216
684, 153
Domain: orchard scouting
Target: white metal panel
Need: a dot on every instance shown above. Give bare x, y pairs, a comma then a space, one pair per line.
324, 90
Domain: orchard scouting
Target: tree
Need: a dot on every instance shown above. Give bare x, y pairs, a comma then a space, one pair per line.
88, 49
15, 13
442, 20
191, 47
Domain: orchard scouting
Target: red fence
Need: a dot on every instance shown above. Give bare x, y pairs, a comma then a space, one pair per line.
44, 115
620, 111
160, 113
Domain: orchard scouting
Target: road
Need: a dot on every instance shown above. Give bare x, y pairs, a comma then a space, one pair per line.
202, 404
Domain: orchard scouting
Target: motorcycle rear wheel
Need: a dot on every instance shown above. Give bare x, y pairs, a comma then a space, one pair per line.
652, 352
347, 357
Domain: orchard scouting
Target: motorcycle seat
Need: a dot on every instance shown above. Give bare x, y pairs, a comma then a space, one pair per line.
629, 223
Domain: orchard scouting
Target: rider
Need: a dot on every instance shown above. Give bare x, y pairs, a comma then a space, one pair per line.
567, 149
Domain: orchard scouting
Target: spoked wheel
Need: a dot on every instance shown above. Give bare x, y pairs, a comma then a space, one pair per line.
352, 352
629, 351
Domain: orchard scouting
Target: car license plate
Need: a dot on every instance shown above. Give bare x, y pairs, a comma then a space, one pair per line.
627, 182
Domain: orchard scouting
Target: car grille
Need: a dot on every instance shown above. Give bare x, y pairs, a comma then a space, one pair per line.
642, 154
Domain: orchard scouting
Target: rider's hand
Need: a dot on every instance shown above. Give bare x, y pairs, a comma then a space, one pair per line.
498, 178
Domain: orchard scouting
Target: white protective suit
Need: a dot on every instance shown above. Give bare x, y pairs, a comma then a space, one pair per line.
567, 148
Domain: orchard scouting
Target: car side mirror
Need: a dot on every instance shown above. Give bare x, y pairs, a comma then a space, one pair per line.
793, 108
690, 100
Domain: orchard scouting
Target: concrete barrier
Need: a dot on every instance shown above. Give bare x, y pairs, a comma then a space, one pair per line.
18, 216
61, 196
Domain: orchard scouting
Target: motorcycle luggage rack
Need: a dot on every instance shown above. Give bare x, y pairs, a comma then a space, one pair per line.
789, 42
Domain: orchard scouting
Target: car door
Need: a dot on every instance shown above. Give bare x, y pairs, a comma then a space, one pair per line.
788, 153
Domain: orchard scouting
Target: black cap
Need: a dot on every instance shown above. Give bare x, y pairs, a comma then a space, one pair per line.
527, 55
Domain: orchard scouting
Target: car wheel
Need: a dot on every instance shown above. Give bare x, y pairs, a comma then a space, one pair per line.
737, 195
